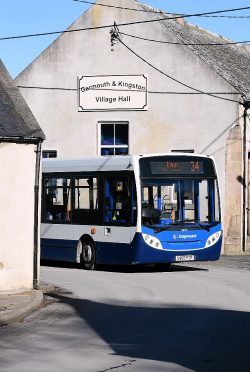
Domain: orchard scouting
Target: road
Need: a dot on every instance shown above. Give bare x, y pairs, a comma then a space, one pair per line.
193, 317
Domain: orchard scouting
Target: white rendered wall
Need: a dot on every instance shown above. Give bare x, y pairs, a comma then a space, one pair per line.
17, 162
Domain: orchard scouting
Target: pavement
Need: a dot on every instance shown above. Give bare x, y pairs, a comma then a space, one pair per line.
15, 306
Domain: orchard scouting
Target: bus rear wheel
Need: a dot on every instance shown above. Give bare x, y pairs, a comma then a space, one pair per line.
88, 255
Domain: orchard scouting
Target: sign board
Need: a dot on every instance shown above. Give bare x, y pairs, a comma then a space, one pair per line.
112, 93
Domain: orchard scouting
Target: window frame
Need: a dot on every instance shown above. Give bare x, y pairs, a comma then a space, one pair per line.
43, 203
72, 177
49, 152
114, 146
101, 177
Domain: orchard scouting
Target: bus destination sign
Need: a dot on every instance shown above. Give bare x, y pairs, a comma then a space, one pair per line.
172, 167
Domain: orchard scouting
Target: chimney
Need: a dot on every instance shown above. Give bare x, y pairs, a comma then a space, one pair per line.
180, 20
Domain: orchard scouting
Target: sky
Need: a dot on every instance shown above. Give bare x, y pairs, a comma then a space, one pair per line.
20, 17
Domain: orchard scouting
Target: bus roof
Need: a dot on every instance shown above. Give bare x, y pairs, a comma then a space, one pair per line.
101, 163
88, 164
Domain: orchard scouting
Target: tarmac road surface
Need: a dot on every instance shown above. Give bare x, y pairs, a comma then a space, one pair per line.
193, 317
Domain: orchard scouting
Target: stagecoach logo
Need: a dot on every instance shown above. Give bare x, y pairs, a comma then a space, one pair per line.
184, 236
112, 93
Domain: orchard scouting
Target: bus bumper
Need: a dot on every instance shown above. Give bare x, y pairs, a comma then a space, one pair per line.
145, 254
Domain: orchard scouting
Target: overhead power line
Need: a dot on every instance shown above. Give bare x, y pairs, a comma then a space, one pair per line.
46, 88
178, 43
195, 93
118, 7
223, 16
120, 24
124, 90
171, 77
153, 10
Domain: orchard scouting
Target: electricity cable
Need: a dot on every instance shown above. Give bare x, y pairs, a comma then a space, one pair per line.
125, 90
172, 78
120, 24
178, 43
118, 7
153, 10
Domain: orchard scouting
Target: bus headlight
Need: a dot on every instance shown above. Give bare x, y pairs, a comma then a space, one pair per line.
213, 239
152, 241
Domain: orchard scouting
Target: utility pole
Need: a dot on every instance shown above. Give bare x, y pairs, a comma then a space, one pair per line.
246, 105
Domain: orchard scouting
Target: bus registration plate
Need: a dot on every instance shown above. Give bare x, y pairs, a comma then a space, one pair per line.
187, 257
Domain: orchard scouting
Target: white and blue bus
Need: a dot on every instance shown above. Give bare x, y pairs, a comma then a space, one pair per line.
143, 209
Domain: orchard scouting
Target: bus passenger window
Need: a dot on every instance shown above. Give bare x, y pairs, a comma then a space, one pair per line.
116, 204
85, 201
57, 199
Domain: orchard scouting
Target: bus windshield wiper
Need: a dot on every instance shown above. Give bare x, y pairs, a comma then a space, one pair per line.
163, 228
200, 225
166, 227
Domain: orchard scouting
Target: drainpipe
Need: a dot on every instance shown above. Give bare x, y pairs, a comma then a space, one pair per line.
36, 216
246, 105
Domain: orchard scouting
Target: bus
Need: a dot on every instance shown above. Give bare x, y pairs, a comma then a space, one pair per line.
131, 209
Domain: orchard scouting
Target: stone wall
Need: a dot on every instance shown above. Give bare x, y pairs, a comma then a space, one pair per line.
233, 192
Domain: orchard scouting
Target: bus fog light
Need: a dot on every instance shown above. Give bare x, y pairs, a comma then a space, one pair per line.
213, 239
152, 241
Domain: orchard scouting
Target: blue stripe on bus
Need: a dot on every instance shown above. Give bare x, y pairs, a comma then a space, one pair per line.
138, 252
59, 250
114, 253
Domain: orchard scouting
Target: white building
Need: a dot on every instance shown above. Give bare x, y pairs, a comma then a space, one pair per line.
141, 96
20, 144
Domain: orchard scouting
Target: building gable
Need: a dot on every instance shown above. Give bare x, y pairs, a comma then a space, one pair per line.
230, 62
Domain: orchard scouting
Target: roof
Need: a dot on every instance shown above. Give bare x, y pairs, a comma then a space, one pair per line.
16, 118
231, 62
104, 163
88, 164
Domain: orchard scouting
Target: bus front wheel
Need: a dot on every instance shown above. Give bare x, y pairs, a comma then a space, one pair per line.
163, 266
88, 255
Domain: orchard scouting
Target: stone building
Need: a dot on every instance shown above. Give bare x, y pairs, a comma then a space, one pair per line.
20, 144
185, 92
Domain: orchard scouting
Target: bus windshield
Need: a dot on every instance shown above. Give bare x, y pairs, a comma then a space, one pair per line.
165, 201
179, 191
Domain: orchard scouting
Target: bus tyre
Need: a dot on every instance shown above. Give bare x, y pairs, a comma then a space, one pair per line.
88, 255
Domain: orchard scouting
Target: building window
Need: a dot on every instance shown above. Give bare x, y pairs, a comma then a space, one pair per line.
49, 154
113, 138
188, 151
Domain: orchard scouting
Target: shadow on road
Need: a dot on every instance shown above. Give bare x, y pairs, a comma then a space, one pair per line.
126, 269
200, 339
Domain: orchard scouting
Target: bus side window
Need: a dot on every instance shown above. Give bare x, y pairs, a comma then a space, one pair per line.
85, 201
116, 201
57, 199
